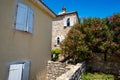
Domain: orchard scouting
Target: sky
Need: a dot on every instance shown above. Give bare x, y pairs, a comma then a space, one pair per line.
86, 8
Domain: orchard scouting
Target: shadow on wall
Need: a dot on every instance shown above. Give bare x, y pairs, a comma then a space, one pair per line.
111, 66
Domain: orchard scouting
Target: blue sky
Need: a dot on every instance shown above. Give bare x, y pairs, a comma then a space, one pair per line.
86, 8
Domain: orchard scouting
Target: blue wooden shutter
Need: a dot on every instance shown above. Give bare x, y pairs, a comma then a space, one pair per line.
21, 17
15, 72
30, 20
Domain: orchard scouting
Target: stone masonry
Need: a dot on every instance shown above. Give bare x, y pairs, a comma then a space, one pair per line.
55, 69
58, 25
74, 73
63, 71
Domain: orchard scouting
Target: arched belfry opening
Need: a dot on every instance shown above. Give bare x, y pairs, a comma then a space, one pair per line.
68, 22
58, 40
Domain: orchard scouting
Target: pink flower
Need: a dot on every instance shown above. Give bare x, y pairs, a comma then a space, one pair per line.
103, 20
69, 44
118, 20
97, 24
69, 35
111, 18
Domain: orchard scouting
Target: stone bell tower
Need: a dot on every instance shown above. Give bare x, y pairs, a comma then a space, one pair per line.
61, 25
63, 10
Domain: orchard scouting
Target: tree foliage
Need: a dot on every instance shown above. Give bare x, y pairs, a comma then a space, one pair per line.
93, 35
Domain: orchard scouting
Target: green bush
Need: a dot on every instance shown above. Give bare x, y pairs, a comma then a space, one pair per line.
55, 53
74, 45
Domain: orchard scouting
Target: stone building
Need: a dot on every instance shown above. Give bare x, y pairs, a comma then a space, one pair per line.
61, 25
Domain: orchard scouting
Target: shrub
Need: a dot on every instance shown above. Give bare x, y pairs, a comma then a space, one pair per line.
55, 53
94, 35
74, 46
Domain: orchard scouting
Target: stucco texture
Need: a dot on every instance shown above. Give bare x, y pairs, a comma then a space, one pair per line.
19, 45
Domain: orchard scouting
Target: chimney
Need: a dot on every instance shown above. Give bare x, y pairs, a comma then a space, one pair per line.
63, 10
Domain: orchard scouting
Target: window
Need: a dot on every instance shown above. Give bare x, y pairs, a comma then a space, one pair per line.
58, 39
24, 18
15, 72
68, 22
19, 70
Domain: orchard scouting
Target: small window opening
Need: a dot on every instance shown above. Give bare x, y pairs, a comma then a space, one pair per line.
58, 40
68, 22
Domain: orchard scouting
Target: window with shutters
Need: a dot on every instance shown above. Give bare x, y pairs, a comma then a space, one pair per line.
68, 22
58, 39
24, 18
19, 70
15, 72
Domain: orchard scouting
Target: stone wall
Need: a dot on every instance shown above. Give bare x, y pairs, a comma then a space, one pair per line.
63, 71
55, 69
78, 73
74, 73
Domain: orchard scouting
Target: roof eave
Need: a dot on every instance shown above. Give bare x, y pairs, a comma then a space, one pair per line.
45, 7
74, 12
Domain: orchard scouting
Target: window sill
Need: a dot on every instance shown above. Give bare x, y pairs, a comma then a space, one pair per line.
66, 27
23, 31
57, 45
